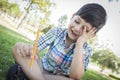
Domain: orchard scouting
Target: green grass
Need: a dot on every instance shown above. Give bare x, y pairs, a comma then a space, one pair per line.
94, 75
8, 38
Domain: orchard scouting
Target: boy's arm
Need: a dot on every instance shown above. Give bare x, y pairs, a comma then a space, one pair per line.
77, 65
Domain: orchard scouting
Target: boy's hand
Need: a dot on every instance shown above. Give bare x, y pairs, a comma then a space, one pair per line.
86, 35
25, 50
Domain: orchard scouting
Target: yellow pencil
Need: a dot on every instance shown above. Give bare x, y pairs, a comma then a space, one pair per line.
34, 49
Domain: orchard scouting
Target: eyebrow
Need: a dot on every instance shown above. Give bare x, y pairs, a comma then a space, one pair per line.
79, 18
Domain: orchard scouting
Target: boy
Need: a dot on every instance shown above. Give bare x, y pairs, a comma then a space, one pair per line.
68, 54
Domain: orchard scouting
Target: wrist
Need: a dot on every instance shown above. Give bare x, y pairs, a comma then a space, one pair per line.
80, 41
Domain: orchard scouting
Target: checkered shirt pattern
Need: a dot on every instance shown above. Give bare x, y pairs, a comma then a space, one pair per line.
56, 60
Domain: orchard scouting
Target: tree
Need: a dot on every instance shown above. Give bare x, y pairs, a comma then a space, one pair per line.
113, 0
103, 56
63, 21
44, 7
118, 66
47, 28
11, 9
105, 59
3, 5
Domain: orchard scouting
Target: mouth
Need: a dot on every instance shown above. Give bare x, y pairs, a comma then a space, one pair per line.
74, 34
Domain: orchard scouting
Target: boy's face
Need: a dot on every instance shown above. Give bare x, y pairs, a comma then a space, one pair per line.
76, 26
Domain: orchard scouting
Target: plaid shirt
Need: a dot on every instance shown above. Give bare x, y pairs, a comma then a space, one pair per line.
56, 60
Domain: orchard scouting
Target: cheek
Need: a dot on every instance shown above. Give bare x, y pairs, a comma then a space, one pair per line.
69, 30
70, 26
81, 31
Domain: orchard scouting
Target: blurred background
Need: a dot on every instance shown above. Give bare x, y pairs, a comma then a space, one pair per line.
20, 19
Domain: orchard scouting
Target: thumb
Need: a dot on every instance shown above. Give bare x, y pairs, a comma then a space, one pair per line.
36, 57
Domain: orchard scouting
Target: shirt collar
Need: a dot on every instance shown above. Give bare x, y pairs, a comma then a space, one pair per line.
73, 44
64, 36
64, 40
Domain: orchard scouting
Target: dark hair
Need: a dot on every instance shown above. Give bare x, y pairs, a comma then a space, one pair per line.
94, 14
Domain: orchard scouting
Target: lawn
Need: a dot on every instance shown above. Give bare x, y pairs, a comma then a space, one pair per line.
8, 38
94, 75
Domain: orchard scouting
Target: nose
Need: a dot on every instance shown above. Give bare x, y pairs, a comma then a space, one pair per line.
77, 28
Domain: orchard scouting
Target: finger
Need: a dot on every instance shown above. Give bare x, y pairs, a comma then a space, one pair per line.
22, 52
37, 51
18, 51
93, 35
26, 50
31, 50
91, 31
32, 56
36, 57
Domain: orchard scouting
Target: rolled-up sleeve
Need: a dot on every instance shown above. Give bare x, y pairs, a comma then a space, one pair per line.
87, 54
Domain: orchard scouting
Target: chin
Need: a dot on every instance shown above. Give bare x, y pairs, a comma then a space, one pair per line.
72, 38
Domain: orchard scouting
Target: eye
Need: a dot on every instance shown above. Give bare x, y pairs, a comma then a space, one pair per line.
77, 22
87, 29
